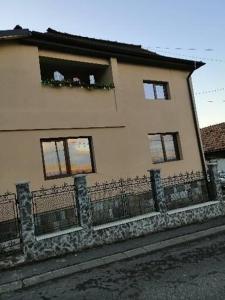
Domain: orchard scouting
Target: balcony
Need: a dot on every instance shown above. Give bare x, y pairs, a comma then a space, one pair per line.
58, 104
65, 73
76, 103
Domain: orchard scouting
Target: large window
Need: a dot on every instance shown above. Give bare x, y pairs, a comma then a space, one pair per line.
164, 147
66, 156
155, 90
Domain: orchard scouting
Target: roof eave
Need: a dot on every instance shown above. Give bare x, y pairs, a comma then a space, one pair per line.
14, 34
133, 54
155, 60
214, 151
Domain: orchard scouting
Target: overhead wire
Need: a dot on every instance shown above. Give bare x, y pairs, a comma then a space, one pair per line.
210, 91
162, 50
181, 48
211, 59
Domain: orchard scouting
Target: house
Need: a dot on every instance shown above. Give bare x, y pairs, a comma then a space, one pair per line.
213, 139
72, 104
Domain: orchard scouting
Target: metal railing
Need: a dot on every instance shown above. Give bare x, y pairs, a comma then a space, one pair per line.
185, 189
9, 223
223, 191
125, 198
54, 209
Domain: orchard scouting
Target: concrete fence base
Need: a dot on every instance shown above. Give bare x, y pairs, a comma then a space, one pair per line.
78, 238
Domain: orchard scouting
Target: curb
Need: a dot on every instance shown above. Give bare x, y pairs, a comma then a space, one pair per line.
40, 278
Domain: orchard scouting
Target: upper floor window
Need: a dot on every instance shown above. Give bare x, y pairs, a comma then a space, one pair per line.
67, 156
60, 72
156, 90
164, 147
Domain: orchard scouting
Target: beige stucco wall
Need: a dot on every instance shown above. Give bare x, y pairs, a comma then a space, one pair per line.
118, 120
146, 116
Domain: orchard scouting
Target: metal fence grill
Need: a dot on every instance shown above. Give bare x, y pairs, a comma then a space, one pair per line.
115, 200
223, 190
54, 209
185, 189
9, 222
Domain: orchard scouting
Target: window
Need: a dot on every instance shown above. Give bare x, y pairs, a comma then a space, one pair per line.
164, 147
66, 156
156, 90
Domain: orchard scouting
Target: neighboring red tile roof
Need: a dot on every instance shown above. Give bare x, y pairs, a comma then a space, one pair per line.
213, 138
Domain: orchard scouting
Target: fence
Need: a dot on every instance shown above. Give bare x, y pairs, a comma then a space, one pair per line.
115, 200
185, 189
54, 209
80, 208
9, 222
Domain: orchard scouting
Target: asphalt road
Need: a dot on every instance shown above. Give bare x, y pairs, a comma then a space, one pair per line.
191, 271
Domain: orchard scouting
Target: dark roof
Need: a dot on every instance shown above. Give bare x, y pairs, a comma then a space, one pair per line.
14, 34
213, 138
75, 44
101, 42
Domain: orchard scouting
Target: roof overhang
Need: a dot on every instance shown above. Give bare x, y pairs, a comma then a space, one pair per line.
14, 34
127, 53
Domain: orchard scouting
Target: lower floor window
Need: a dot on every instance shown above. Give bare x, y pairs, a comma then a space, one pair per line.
67, 156
164, 147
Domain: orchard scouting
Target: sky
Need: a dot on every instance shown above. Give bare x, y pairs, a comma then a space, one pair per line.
196, 27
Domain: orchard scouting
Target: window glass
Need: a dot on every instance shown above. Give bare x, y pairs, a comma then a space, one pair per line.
163, 147
156, 148
169, 145
149, 91
79, 155
54, 158
66, 156
160, 91
155, 90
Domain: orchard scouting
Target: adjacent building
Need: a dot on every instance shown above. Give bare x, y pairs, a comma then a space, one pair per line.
213, 138
72, 104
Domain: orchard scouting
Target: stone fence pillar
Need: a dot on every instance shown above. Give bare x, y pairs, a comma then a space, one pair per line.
26, 218
214, 185
83, 202
157, 190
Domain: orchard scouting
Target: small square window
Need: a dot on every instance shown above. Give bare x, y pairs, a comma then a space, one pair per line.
155, 90
67, 156
164, 147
